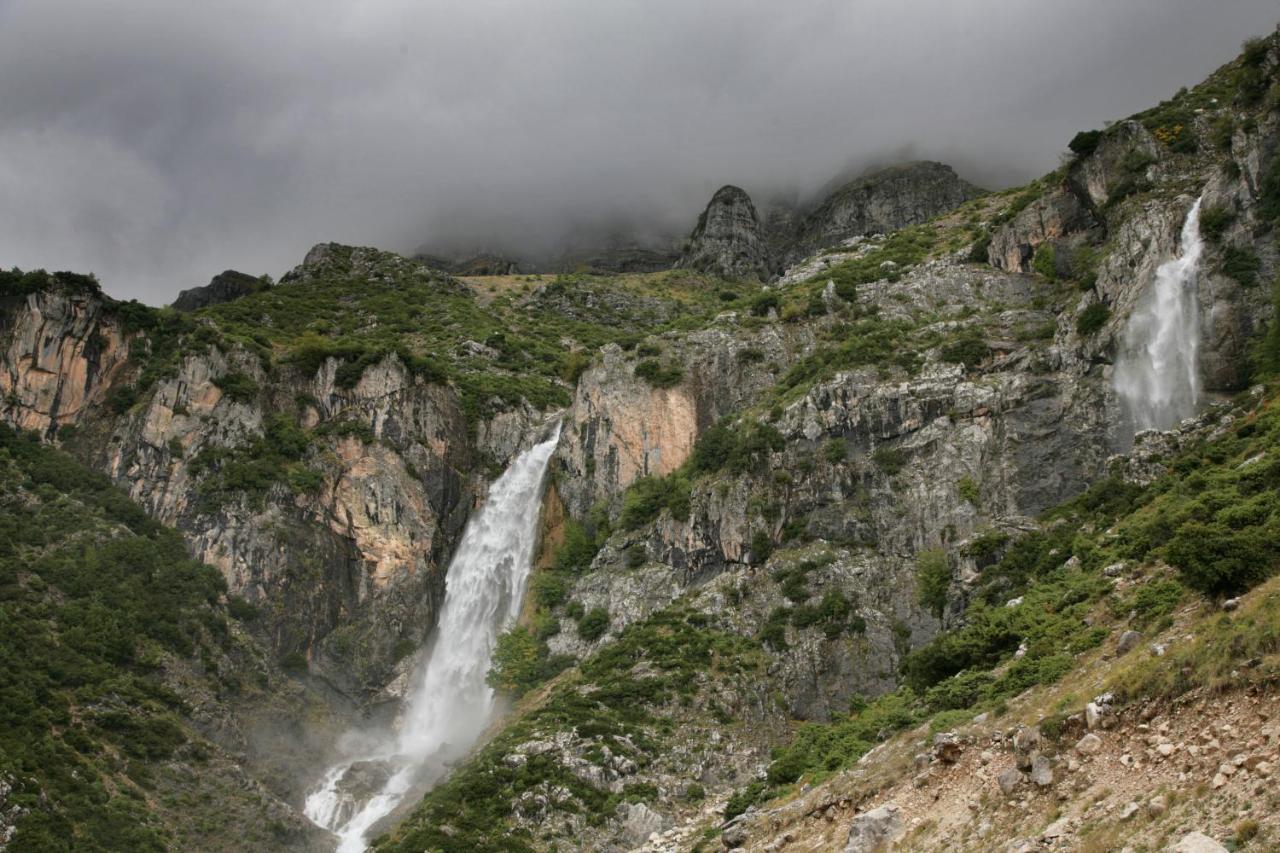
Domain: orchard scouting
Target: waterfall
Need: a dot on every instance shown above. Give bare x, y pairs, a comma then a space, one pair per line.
1157, 374
451, 704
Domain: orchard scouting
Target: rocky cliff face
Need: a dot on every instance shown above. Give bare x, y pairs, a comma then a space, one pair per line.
727, 240
879, 202
62, 351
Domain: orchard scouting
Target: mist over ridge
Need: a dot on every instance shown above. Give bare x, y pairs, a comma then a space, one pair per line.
157, 148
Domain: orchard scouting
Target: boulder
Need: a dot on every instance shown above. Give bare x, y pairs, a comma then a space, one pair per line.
1196, 842
1128, 642
1009, 780
874, 830
1042, 771
946, 747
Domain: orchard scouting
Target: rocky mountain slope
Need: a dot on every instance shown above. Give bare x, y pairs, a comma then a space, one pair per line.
793, 520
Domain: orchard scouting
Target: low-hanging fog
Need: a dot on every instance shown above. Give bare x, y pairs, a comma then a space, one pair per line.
156, 144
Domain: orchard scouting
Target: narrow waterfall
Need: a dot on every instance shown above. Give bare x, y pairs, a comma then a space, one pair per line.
451, 704
1157, 373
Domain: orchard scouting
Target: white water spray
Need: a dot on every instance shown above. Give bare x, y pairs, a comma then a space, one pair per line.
1157, 374
451, 704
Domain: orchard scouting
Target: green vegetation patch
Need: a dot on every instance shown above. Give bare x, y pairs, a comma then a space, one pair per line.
95, 596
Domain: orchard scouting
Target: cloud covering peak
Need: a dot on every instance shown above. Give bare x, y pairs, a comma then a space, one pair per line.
157, 144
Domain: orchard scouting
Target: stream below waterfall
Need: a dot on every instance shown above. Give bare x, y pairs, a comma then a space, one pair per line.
450, 704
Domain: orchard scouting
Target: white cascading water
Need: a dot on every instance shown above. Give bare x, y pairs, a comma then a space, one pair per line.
1157, 374
451, 704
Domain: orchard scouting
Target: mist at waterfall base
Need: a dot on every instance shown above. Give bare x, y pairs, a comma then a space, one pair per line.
451, 704
1157, 373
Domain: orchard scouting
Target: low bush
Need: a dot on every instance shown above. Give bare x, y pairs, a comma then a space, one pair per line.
1092, 319
659, 374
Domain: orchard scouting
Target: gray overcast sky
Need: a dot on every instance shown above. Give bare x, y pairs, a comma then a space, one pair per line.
157, 142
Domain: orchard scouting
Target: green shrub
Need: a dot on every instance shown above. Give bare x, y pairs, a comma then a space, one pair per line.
1214, 221
765, 302
549, 589
1216, 560
1242, 264
969, 349
967, 489
979, 252
120, 398
1085, 142
1092, 319
593, 624
761, 547
521, 662
933, 579
1045, 262
237, 387
890, 460
649, 496
735, 446
835, 451
1269, 192
658, 374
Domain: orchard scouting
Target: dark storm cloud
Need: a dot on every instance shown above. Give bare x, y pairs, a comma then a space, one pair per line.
157, 143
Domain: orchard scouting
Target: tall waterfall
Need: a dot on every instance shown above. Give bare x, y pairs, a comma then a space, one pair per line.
1157, 374
451, 704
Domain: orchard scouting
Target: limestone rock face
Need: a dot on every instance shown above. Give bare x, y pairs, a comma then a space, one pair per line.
342, 572
59, 353
1047, 220
224, 287
1124, 154
728, 239
879, 202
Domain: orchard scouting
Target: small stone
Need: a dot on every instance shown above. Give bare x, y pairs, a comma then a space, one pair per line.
1128, 641
986, 757
1129, 811
1166, 749
1009, 780
1227, 769
1218, 781
1157, 805
1158, 650
1231, 604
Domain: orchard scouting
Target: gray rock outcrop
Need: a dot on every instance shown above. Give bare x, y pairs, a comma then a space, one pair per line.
879, 202
226, 286
727, 241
